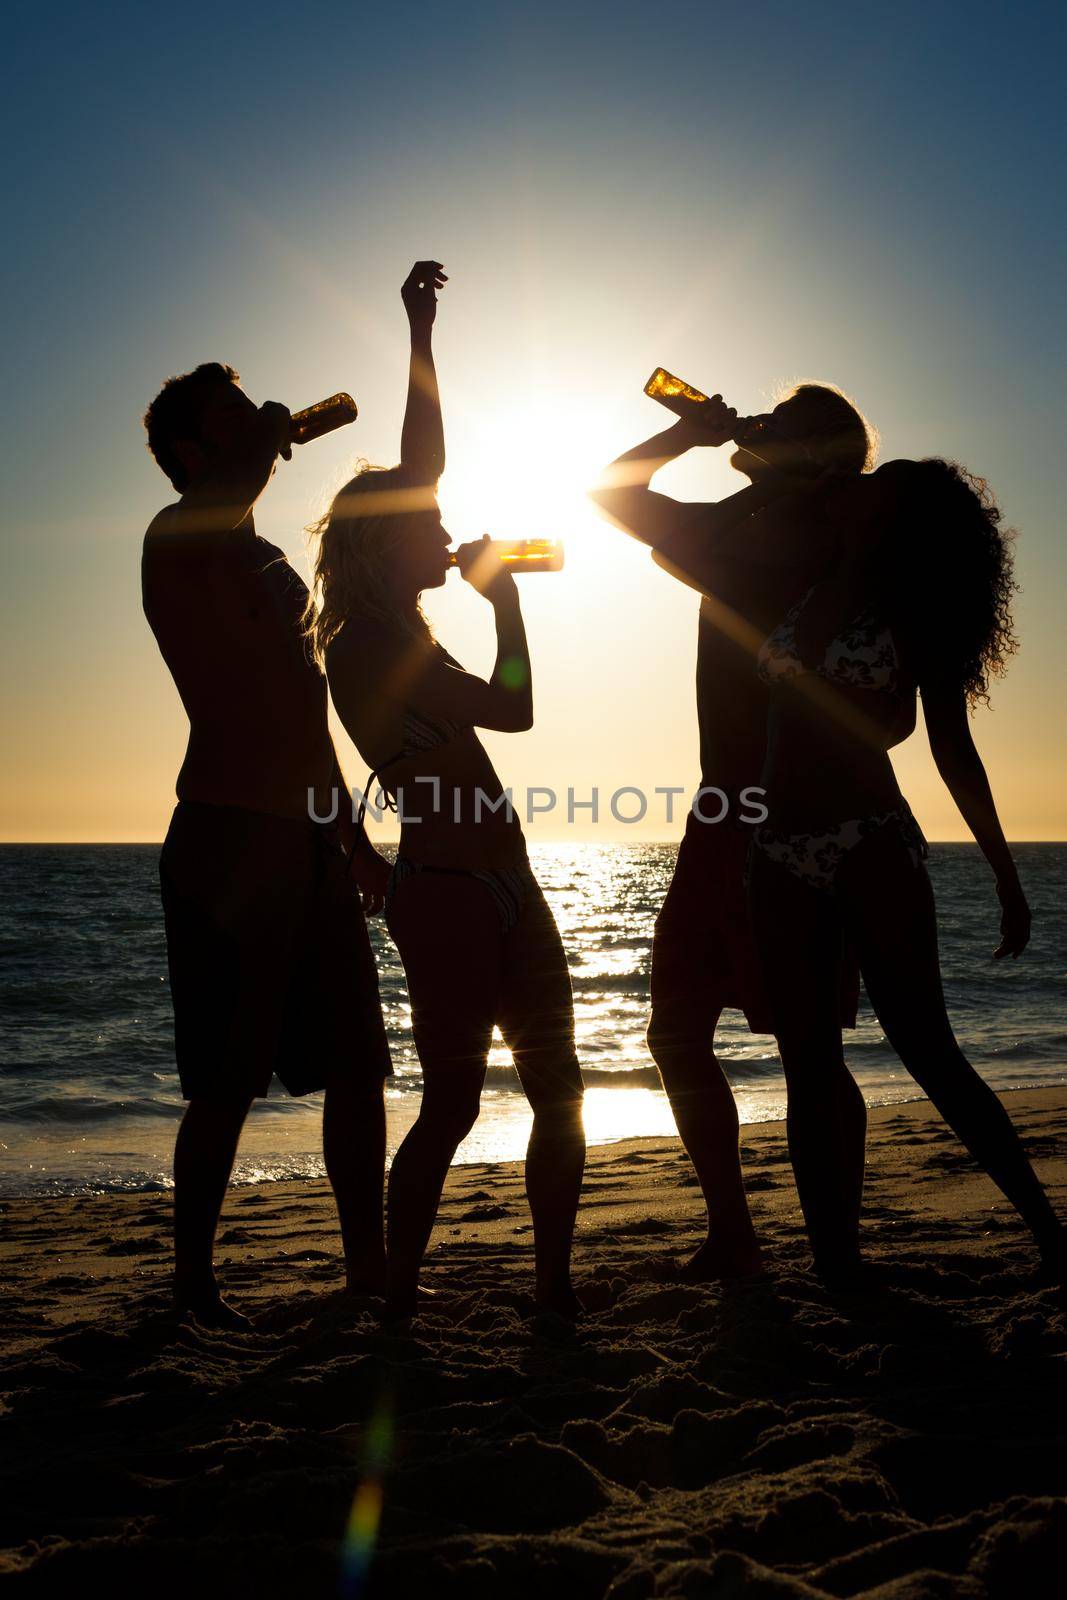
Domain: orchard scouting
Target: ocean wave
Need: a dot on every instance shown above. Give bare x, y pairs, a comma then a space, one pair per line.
86, 1109
88, 1046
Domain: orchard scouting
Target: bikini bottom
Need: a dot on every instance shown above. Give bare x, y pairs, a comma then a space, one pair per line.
507, 885
815, 858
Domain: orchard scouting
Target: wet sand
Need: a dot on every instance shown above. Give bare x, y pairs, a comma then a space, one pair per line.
767, 1440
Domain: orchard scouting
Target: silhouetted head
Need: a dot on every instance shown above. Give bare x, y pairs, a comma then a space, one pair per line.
377, 548
195, 419
814, 426
948, 573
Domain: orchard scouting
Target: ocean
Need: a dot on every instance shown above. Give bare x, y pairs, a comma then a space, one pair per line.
89, 1097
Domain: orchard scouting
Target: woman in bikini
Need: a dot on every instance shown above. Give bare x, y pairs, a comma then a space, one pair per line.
479, 944
917, 601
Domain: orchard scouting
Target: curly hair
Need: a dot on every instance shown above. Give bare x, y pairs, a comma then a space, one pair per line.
956, 595
175, 414
350, 548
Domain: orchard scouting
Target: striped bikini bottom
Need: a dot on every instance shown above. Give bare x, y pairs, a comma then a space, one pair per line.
507, 885
816, 857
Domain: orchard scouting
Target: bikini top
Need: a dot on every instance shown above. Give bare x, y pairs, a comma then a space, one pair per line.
862, 656
422, 732
419, 733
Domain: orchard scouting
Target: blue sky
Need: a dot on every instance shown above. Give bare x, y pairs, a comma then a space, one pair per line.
870, 196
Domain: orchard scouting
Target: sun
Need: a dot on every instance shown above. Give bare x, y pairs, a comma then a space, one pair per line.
522, 471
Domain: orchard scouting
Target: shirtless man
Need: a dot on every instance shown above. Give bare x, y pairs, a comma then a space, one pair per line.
703, 957
271, 967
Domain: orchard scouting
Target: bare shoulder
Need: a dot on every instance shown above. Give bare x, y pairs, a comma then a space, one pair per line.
364, 640
370, 658
866, 506
167, 573
354, 655
356, 645
179, 530
160, 532
895, 483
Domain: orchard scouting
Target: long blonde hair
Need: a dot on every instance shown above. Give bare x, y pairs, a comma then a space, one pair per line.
350, 549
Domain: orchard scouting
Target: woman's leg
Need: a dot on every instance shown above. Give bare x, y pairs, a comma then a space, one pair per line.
888, 905
536, 1016
798, 935
448, 934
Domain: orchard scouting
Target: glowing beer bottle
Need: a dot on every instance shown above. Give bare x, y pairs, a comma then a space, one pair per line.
311, 423
677, 395
526, 555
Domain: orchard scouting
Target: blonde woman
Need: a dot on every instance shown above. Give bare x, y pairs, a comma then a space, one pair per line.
477, 939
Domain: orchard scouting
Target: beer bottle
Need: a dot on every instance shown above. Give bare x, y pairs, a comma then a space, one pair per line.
314, 421
526, 555
680, 397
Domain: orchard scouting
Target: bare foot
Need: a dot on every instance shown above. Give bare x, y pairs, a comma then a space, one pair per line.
365, 1273
717, 1260
365, 1283
561, 1301
360, 1292
845, 1274
401, 1301
212, 1311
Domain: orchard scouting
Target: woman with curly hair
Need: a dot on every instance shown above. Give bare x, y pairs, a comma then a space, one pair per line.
479, 944
918, 600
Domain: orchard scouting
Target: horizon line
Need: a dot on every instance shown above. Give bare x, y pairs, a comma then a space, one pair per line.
30, 844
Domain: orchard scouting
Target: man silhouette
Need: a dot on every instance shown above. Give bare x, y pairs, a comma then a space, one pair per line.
703, 956
270, 963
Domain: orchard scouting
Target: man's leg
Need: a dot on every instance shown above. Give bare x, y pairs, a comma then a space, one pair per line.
688, 987
203, 1160
798, 931
681, 1042
353, 1147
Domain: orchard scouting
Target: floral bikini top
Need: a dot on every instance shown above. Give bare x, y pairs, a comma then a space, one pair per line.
862, 656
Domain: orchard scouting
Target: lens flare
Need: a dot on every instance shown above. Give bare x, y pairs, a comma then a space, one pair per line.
364, 1519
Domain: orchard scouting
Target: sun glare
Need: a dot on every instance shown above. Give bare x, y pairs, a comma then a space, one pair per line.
523, 472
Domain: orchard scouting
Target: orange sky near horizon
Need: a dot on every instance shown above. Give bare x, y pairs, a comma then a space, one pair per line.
857, 200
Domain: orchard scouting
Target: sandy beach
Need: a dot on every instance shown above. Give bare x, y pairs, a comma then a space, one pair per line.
764, 1440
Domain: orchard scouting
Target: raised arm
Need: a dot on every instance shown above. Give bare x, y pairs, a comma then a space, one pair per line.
505, 701
369, 664
422, 439
691, 540
624, 496
964, 775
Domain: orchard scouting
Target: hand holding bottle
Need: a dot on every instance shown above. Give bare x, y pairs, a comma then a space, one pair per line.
481, 567
707, 419
716, 424
274, 425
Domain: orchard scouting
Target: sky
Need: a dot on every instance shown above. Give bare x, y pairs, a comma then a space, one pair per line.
872, 196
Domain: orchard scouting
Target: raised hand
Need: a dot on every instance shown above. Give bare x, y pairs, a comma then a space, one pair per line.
718, 421
713, 423
419, 294
275, 425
